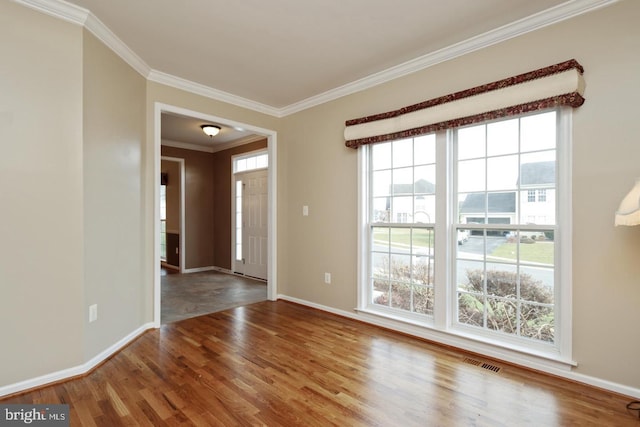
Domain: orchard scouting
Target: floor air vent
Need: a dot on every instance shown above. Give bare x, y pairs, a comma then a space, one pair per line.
483, 365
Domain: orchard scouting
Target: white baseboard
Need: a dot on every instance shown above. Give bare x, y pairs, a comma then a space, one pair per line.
463, 344
76, 370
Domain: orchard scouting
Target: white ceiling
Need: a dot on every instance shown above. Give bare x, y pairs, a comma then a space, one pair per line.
281, 52
281, 56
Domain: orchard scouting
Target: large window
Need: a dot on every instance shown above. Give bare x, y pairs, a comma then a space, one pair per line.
505, 271
402, 215
494, 242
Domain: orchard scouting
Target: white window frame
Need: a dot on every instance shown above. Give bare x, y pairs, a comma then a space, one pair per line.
442, 328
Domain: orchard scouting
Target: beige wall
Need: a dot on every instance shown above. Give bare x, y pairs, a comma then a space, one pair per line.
198, 208
41, 256
113, 133
222, 205
606, 288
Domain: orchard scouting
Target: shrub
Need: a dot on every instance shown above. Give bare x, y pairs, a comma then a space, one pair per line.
536, 321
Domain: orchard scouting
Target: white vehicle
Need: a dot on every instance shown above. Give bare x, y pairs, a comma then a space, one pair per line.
463, 236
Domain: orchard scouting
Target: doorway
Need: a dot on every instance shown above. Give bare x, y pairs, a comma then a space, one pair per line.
172, 229
250, 214
271, 242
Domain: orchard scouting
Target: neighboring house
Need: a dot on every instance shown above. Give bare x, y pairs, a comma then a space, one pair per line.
411, 202
501, 208
537, 193
537, 199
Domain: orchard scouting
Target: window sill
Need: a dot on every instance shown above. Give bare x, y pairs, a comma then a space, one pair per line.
518, 355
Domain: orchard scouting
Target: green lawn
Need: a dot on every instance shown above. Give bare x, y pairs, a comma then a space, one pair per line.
541, 252
402, 236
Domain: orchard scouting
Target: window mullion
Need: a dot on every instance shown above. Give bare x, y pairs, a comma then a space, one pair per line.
444, 232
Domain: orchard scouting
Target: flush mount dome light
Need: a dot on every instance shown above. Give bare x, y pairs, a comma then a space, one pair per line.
211, 130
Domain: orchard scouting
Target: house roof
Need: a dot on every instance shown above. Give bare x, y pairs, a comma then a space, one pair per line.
421, 186
537, 173
498, 203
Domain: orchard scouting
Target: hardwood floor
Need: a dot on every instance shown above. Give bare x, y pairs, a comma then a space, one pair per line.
280, 364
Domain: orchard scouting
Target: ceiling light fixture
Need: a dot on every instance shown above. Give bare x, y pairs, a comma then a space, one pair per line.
211, 130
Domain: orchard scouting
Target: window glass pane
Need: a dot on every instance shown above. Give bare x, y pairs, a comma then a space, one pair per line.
402, 209
381, 292
471, 142
423, 270
502, 173
381, 209
471, 309
400, 296
421, 241
380, 265
538, 132
251, 163
472, 208
502, 315
402, 153
471, 175
262, 161
424, 149
470, 275
536, 285
403, 181
423, 298
381, 183
502, 280
401, 268
502, 137
400, 240
381, 156
241, 165
425, 179
424, 209
537, 322
499, 247
380, 239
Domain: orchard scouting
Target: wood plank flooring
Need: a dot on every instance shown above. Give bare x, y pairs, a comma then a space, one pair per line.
281, 364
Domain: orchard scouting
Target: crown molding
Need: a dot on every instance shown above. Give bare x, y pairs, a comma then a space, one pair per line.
531, 23
58, 9
106, 36
209, 92
186, 145
77, 15
212, 148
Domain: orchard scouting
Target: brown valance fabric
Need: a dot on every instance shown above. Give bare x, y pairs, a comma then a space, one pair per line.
560, 84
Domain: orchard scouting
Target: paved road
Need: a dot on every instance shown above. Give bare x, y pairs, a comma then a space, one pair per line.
473, 249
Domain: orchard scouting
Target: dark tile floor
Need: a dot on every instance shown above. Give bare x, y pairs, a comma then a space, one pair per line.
194, 294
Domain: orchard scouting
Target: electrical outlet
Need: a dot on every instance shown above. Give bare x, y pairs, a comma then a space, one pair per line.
305, 210
327, 278
93, 313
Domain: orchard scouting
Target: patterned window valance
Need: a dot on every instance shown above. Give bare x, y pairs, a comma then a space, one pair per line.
560, 84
